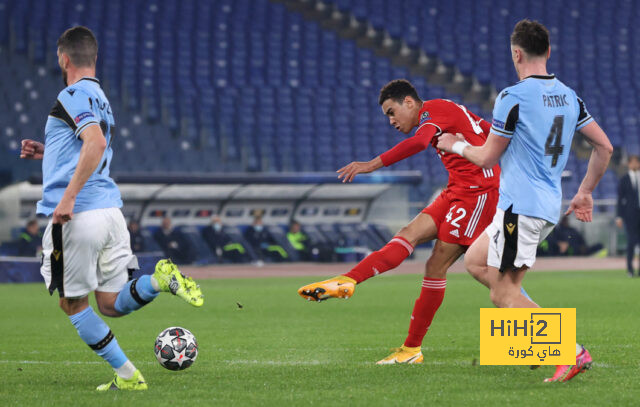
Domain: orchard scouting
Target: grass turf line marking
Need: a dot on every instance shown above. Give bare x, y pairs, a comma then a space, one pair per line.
269, 363
69, 362
238, 362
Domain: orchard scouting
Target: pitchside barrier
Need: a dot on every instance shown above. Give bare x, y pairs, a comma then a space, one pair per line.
312, 199
309, 198
27, 270
191, 200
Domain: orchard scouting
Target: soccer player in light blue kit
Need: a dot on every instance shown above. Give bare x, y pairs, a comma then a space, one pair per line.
533, 124
86, 243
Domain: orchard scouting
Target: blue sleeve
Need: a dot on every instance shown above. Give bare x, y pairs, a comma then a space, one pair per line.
505, 114
78, 107
584, 117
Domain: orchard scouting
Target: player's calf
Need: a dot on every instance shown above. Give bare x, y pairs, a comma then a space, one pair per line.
424, 310
97, 335
135, 294
106, 302
388, 257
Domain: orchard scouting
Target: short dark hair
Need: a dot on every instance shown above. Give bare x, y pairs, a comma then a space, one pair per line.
397, 90
80, 44
32, 222
531, 36
634, 157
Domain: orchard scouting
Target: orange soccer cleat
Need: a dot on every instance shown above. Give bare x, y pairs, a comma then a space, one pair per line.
336, 287
403, 354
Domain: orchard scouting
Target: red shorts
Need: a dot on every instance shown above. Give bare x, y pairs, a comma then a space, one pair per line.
462, 216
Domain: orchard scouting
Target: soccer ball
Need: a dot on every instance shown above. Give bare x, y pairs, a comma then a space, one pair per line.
176, 348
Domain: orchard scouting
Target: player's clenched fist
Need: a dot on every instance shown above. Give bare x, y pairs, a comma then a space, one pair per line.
64, 211
447, 140
32, 150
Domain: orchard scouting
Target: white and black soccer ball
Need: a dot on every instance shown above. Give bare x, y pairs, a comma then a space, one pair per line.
176, 348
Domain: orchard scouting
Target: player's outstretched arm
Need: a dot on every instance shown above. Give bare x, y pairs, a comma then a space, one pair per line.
348, 172
405, 148
93, 146
485, 156
582, 202
31, 150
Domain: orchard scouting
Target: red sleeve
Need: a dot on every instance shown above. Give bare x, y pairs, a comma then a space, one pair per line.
486, 127
410, 146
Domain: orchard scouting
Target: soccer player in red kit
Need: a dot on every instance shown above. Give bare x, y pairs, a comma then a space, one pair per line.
456, 218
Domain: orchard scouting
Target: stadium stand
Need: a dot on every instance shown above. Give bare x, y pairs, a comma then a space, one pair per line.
474, 36
225, 86
282, 93
202, 83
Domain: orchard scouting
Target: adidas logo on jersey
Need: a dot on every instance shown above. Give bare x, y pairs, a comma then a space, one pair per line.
455, 233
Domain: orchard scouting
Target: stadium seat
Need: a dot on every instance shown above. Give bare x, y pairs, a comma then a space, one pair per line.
249, 85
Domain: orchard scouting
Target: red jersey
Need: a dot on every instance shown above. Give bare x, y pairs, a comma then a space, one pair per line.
439, 116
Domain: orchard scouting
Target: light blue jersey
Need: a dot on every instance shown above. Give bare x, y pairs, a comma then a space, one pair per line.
78, 107
540, 115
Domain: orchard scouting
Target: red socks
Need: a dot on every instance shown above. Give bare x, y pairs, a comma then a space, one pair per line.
387, 258
431, 296
425, 308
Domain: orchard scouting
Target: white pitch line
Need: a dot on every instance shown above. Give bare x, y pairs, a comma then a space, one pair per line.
236, 362
270, 363
331, 362
276, 362
68, 362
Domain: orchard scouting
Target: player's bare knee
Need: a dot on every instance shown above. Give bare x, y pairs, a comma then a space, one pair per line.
409, 235
469, 265
498, 297
504, 297
72, 306
63, 305
476, 270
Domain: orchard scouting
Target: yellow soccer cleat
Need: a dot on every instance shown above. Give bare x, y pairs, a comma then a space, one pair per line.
336, 287
137, 382
171, 280
403, 354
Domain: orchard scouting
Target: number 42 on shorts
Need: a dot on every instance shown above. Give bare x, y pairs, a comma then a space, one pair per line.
459, 213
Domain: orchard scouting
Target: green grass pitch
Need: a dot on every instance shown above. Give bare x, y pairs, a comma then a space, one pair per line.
281, 350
